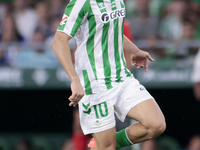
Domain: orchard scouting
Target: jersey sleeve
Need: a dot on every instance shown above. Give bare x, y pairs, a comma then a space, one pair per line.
72, 17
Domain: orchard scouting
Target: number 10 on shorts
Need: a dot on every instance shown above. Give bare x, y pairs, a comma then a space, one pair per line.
103, 110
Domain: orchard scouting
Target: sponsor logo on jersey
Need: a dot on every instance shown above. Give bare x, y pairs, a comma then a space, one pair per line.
64, 19
106, 17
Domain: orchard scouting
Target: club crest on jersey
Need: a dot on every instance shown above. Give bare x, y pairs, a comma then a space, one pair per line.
101, 5
106, 17
64, 19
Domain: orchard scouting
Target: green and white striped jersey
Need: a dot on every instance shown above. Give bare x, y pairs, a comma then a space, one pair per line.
97, 26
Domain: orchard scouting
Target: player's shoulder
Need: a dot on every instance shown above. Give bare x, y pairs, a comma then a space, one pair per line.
79, 5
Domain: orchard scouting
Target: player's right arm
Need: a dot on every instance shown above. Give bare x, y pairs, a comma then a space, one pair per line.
62, 51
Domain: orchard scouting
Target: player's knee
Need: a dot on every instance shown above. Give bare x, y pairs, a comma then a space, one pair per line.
157, 128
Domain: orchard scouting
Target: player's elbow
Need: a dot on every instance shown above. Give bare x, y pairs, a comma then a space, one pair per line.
55, 43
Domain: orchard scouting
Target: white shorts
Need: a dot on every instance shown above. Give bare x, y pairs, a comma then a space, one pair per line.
97, 110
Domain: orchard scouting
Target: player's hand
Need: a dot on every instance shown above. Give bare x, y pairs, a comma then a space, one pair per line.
77, 93
139, 60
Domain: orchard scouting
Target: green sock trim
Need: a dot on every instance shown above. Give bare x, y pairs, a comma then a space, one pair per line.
122, 139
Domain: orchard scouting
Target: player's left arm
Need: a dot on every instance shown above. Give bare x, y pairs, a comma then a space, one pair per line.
139, 57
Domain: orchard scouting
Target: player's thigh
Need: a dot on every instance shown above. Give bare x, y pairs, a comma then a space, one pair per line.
105, 139
130, 96
148, 113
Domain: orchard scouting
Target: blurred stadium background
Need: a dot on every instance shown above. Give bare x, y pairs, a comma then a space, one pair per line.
34, 88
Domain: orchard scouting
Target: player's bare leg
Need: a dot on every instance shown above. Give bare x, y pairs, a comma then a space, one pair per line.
105, 140
151, 121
